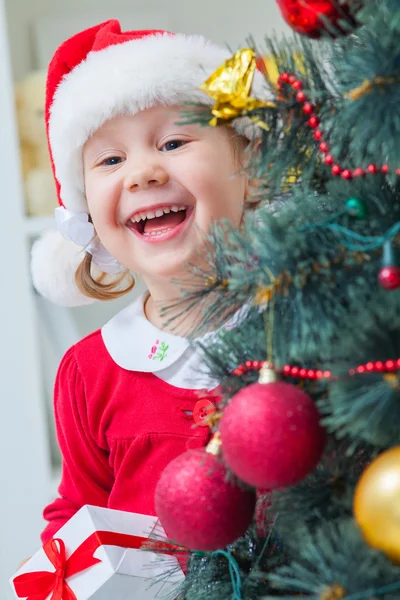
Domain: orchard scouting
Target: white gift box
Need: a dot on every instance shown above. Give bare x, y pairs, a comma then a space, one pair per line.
120, 572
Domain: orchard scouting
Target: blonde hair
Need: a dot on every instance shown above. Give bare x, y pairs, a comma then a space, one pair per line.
101, 286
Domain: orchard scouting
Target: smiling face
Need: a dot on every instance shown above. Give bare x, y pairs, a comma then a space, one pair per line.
154, 188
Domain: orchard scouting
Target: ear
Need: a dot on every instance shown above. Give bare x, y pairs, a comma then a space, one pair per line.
252, 198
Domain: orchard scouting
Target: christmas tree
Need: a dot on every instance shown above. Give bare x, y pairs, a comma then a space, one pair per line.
298, 493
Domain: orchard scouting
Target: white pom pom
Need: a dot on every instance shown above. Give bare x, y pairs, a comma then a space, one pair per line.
53, 265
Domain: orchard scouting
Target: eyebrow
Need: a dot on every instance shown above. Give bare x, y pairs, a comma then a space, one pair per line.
90, 151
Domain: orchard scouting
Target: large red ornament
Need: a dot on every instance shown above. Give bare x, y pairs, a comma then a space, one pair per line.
307, 16
271, 435
197, 507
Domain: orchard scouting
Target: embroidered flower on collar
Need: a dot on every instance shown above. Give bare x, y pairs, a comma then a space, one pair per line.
158, 352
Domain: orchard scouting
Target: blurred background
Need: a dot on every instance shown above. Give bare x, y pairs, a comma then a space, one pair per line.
35, 333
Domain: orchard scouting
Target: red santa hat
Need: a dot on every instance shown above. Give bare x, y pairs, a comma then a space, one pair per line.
94, 76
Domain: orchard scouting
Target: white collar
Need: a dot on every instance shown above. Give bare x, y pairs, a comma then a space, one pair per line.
135, 344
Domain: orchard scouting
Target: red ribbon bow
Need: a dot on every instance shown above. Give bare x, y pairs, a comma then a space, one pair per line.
38, 585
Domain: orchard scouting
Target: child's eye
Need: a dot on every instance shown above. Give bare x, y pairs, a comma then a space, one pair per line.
111, 161
172, 145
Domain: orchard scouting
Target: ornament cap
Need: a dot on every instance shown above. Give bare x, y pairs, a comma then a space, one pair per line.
214, 445
267, 374
388, 257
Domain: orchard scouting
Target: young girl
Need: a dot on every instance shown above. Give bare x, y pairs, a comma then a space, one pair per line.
137, 192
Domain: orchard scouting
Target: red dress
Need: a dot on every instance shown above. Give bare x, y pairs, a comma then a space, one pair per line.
117, 430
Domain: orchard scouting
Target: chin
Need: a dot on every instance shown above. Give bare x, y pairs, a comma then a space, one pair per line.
176, 270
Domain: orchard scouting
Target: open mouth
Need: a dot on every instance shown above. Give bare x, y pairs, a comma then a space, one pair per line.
159, 221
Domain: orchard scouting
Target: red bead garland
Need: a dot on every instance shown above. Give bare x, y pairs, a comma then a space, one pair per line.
314, 122
377, 367
324, 147
301, 97
300, 373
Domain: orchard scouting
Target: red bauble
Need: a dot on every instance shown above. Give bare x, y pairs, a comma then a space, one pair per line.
389, 277
197, 507
271, 435
304, 16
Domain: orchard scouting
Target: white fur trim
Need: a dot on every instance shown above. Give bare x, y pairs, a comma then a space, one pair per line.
161, 69
53, 265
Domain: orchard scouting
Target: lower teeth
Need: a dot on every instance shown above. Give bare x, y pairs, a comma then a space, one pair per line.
153, 233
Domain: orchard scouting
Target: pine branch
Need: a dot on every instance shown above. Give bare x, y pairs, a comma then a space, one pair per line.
308, 274
367, 406
208, 575
324, 496
336, 559
318, 283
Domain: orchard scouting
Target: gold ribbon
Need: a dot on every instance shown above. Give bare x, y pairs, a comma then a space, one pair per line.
230, 87
369, 86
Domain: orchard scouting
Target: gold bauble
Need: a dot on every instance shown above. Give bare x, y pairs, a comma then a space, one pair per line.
377, 503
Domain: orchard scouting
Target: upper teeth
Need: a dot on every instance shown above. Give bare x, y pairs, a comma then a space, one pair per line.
159, 212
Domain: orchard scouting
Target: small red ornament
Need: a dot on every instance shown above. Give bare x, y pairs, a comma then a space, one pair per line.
308, 17
389, 277
271, 435
389, 274
197, 507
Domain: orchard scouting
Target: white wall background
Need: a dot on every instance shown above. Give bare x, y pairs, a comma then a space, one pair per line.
224, 21
24, 470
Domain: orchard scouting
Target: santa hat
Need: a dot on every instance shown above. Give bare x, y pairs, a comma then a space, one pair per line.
94, 76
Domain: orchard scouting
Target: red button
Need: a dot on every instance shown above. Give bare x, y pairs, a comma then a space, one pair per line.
201, 410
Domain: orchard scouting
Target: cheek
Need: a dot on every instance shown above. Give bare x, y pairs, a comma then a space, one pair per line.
216, 179
102, 203
224, 196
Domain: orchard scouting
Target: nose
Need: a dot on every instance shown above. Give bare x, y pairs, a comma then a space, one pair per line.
146, 175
